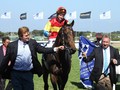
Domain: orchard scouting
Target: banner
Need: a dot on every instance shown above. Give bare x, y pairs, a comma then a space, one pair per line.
6, 15
105, 15
38, 16
71, 15
23, 16
85, 15
85, 68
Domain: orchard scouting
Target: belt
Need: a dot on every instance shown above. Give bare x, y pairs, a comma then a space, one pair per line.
23, 71
105, 74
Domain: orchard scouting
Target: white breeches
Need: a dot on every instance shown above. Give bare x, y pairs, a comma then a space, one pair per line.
50, 42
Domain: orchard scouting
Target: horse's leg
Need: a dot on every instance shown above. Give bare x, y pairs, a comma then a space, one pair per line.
45, 76
53, 81
45, 79
64, 81
60, 83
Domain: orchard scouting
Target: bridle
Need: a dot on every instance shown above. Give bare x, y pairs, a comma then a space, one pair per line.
63, 36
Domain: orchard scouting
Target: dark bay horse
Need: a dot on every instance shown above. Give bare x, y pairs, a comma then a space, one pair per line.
58, 65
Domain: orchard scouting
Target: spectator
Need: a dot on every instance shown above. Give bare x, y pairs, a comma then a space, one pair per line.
98, 39
106, 57
5, 42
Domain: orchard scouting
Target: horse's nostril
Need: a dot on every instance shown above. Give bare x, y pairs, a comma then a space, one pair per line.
72, 51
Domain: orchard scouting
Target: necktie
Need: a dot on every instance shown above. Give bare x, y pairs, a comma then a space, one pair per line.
106, 64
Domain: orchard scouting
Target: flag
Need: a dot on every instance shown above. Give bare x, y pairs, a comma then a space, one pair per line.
67, 16
52, 16
23, 16
71, 15
85, 68
105, 15
85, 15
38, 16
6, 15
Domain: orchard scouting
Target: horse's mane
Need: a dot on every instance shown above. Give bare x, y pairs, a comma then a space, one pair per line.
57, 41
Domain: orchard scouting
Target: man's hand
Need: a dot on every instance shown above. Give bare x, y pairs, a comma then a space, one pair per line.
114, 61
61, 47
9, 63
57, 48
84, 55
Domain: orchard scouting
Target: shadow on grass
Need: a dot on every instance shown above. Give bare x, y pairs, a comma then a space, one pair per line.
78, 84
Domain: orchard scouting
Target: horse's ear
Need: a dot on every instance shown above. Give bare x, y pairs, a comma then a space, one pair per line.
65, 22
72, 23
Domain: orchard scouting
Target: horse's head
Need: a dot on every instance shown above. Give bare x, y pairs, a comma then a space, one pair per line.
66, 37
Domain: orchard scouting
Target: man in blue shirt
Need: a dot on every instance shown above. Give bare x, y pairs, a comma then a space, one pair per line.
22, 54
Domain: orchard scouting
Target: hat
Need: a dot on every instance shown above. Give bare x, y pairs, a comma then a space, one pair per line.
99, 35
61, 10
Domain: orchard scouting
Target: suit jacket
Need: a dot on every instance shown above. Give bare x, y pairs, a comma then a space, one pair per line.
98, 65
11, 55
1, 53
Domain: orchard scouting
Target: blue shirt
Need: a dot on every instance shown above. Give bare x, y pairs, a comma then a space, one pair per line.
23, 60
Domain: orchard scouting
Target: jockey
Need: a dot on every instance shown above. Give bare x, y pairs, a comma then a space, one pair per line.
53, 26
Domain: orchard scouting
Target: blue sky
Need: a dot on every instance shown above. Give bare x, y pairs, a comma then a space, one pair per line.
31, 7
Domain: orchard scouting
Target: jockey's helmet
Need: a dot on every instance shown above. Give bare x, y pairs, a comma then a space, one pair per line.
61, 10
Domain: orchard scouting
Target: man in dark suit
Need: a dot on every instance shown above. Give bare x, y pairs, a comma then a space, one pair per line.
106, 57
5, 42
22, 54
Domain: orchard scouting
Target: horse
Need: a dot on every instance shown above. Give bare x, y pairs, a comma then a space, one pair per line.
58, 65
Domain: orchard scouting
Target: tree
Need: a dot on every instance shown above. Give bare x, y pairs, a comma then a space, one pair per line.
37, 32
1, 34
